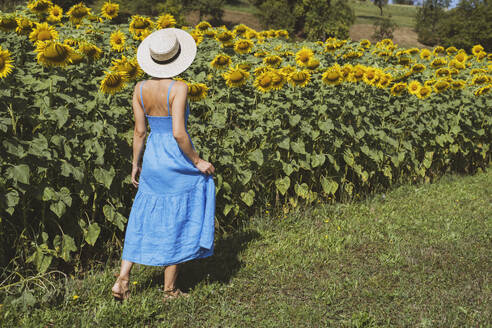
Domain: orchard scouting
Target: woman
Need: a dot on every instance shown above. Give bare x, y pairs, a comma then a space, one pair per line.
173, 213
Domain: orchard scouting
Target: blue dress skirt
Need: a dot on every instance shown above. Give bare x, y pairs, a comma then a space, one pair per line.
172, 219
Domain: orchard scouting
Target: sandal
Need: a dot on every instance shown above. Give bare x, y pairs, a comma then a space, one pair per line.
174, 293
120, 293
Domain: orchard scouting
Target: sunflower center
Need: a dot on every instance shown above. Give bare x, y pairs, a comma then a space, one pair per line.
441, 86
8, 24
424, 91
2, 63
333, 76
222, 60
44, 35
265, 81
243, 45
114, 81
304, 57
79, 12
141, 25
56, 53
236, 76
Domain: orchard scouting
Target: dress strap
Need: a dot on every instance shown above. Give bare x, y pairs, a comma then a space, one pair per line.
168, 92
141, 99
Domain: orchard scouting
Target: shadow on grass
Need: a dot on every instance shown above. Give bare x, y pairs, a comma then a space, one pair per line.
221, 267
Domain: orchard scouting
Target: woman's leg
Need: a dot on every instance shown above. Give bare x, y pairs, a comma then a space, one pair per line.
126, 267
170, 275
124, 277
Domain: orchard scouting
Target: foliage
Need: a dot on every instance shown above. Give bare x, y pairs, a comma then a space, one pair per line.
309, 121
313, 19
384, 28
417, 255
427, 20
467, 24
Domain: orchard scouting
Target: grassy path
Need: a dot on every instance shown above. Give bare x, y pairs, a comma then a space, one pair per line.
418, 256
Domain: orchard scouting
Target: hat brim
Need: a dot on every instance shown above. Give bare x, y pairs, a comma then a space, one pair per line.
177, 66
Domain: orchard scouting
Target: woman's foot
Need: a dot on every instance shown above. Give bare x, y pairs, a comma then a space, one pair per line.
120, 288
174, 293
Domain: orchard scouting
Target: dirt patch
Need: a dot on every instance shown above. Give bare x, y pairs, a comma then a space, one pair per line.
403, 36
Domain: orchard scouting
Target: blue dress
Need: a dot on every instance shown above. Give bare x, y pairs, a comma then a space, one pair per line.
172, 219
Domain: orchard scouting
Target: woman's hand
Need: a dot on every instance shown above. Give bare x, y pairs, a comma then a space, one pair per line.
205, 167
136, 170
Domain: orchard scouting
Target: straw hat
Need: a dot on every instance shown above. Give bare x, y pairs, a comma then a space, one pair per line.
166, 52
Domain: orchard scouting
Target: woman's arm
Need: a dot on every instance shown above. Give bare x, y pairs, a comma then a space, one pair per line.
180, 90
140, 129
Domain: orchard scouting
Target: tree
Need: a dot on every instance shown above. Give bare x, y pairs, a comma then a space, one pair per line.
427, 20
380, 4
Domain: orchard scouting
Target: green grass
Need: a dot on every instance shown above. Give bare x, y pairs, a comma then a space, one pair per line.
368, 13
417, 256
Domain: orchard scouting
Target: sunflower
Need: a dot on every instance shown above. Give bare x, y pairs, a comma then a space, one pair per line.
384, 80
398, 88
140, 26
330, 47
5, 63
56, 14
412, 51
287, 70
352, 55
429, 83
263, 34
24, 26
438, 62
333, 75
346, 70
77, 13
282, 34
371, 76
209, 34
461, 57
425, 54
245, 66
458, 84
43, 32
414, 87
273, 61
477, 49
53, 53
90, 50
365, 43
221, 61
312, 64
166, 21
203, 25
8, 23
424, 92
236, 77
443, 72
128, 66
110, 10
264, 81
478, 71
404, 60
117, 41
197, 91
303, 56
71, 42
225, 37
481, 55
299, 78
451, 50
456, 64
113, 82
240, 29
480, 79
250, 34
39, 6
417, 68
438, 50
262, 69
278, 79
440, 86
197, 36
356, 74
483, 90
243, 46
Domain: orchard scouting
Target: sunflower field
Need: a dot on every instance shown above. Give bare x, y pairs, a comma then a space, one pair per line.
283, 123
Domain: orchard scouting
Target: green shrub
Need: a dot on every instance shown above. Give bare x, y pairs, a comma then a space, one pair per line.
384, 28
